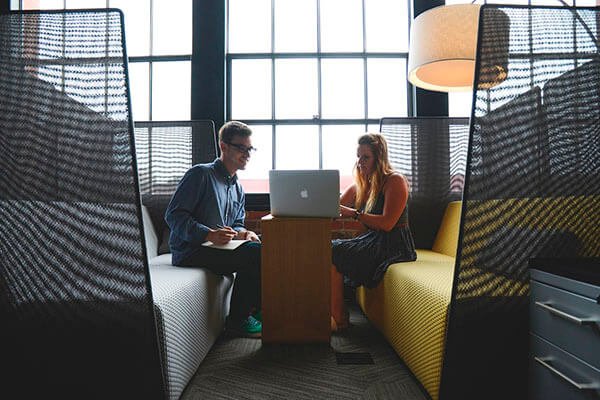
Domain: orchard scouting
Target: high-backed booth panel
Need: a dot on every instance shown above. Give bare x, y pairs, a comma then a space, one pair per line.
431, 152
75, 301
532, 186
165, 151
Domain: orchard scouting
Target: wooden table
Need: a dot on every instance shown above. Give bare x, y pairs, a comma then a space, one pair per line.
296, 261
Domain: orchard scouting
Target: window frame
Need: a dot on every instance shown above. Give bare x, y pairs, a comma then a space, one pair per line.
319, 56
150, 59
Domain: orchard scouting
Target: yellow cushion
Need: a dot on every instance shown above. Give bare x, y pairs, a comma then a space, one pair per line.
410, 307
431, 256
371, 300
446, 240
410, 304
415, 309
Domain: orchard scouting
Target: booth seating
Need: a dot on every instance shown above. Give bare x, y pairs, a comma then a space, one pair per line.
410, 305
531, 189
190, 305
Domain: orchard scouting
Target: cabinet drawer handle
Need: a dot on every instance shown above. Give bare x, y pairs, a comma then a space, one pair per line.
580, 321
545, 361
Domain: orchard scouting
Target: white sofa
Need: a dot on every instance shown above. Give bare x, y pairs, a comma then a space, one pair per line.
190, 306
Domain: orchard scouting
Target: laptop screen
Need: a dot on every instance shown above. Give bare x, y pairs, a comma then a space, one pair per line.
305, 193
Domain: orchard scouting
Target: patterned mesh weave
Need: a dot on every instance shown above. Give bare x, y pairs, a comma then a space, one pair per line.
532, 189
165, 151
431, 153
75, 301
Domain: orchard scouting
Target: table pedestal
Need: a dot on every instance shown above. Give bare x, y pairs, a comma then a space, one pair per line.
296, 261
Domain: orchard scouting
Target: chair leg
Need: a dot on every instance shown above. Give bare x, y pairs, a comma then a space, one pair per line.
339, 314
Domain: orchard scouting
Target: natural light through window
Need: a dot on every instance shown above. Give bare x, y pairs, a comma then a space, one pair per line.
343, 88
295, 26
296, 84
318, 74
251, 89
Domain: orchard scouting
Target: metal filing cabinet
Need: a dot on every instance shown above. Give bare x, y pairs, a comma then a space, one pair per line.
565, 338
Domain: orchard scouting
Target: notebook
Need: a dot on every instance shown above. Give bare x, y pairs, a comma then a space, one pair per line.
305, 193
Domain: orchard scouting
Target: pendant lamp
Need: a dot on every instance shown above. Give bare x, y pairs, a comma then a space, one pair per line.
443, 46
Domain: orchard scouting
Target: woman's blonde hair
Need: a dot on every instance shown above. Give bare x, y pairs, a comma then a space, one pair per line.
367, 188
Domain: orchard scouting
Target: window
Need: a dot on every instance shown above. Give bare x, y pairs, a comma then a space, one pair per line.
159, 52
310, 79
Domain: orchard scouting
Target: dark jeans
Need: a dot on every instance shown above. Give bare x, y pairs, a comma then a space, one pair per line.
245, 262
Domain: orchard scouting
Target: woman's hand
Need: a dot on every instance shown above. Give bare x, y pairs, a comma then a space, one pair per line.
347, 212
221, 236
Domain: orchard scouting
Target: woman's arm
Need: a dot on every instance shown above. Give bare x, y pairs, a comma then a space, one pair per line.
395, 192
347, 201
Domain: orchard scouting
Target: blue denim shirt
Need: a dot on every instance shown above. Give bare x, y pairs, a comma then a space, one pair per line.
205, 197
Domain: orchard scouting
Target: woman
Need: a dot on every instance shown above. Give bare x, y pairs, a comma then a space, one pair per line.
377, 198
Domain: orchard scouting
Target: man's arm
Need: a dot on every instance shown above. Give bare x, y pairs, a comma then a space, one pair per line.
179, 214
240, 216
238, 224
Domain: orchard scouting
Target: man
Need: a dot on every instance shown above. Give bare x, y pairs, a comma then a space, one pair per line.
208, 205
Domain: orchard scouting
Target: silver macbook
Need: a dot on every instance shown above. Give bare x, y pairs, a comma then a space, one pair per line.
305, 193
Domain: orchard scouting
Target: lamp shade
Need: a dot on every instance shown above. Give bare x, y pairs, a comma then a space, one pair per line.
443, 44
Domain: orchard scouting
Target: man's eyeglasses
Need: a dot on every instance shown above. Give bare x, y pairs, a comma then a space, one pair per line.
241, 148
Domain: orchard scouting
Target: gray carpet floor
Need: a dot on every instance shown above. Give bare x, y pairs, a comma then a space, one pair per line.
237, 368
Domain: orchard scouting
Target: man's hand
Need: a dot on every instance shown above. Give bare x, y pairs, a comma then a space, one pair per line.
252, 236
248, 235
221, 236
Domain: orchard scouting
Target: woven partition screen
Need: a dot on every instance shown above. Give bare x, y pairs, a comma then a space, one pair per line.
165, 151
431, 152
75, 302
532, 188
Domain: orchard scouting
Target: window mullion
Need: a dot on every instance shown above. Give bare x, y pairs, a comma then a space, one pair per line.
273, 117
365, 72
150, 64
319, 91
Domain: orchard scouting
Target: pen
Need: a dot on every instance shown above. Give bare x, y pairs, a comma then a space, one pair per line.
222, 227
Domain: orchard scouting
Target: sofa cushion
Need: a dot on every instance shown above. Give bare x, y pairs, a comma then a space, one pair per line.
446, 240
190, 306
415, 316
427, 256
163, 259
410, 305
149, 234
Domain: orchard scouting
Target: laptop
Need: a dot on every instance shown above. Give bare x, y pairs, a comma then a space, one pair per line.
305, 193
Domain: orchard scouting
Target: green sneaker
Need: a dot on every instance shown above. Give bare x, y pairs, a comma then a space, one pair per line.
252, 327
249, 327
258, 315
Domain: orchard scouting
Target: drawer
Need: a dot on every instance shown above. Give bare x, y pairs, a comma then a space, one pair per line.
557, 375
567, 320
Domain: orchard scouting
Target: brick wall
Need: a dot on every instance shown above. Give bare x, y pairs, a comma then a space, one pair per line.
342, 228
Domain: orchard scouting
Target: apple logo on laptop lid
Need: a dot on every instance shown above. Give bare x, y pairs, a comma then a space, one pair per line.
304, 194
